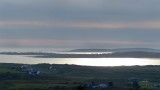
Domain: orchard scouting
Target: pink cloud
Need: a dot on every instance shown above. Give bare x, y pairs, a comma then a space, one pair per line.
83, 43
84, 25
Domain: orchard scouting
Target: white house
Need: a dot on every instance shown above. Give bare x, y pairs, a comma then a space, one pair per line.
103, 86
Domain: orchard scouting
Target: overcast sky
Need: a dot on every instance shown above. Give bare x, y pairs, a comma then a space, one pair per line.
80, 23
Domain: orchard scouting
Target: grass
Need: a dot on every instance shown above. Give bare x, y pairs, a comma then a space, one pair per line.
71, 75
8, 70
147, 85
39, 85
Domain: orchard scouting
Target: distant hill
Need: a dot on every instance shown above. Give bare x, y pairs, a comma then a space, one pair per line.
133, 54
116, 50
129, 54
116, 53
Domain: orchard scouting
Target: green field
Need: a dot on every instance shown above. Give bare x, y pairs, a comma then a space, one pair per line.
68, 77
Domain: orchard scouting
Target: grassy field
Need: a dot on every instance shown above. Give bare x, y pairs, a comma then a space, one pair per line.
68, 77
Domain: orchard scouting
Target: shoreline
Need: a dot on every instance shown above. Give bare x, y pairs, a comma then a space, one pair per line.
134, 54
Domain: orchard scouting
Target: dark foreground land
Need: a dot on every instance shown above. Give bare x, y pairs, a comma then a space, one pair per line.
69, 77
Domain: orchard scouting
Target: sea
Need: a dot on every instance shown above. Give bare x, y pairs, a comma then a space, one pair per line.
28, 59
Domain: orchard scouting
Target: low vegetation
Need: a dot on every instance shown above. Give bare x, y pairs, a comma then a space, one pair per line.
69, 77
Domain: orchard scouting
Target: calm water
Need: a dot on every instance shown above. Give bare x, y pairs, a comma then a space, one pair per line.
77, 61
80, 61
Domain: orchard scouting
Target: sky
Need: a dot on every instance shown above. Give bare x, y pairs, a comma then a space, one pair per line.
80, 23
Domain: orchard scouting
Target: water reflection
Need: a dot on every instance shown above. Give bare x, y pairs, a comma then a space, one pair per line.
116, 61
80, 61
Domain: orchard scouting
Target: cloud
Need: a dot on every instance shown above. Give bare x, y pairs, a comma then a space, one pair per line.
71, 43
86, 10
84, 25
49, 22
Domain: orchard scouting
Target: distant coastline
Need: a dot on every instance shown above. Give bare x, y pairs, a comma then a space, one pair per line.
116, 53
116, 50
